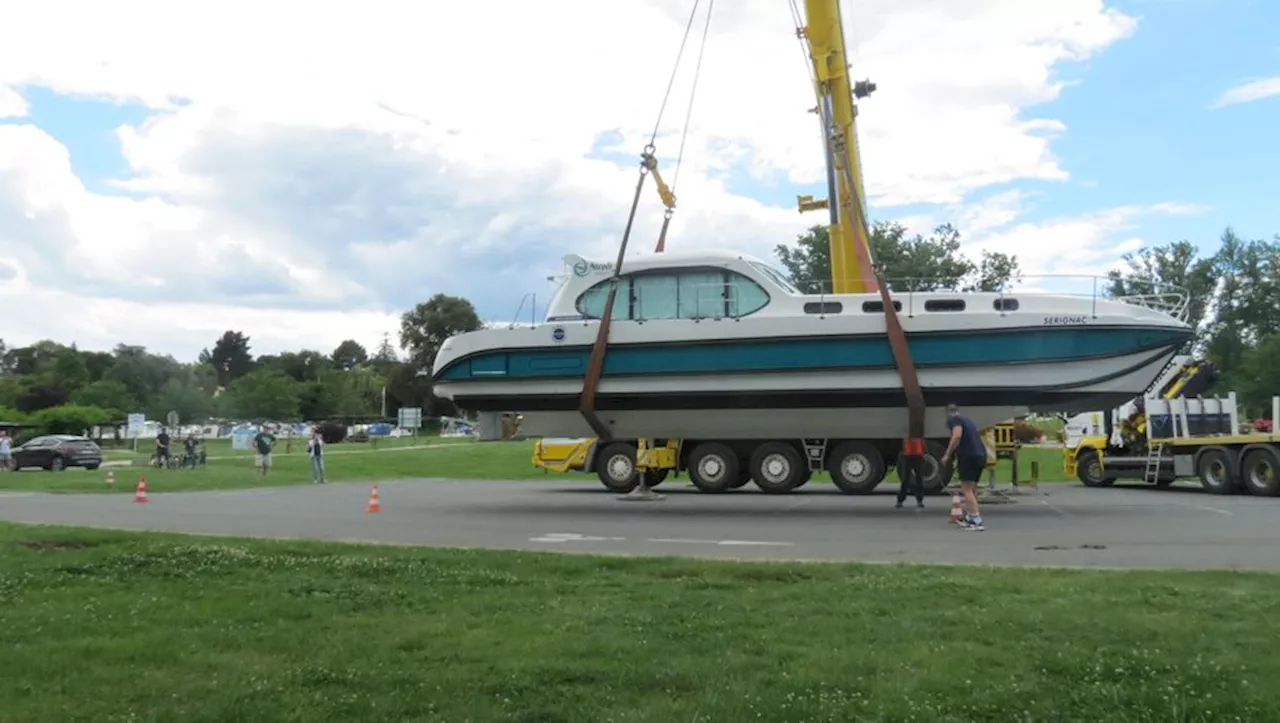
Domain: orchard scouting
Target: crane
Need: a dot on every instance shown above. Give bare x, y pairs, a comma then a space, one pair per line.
821, 32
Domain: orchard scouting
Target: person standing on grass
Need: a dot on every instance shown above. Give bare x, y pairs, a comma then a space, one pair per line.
263, 442
315, 450
971, 458
6, 450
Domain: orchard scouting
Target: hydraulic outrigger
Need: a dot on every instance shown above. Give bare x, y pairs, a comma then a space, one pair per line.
852, 263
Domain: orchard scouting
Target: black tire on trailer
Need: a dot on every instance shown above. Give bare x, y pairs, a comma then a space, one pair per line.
713, 467
1215, 466
1089, 469
805, 475
655, 477
616, 467
933, 476
744, 475
856, 467
776, 467
1260, 471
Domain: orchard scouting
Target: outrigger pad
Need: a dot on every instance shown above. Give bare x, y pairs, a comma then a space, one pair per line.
641, 494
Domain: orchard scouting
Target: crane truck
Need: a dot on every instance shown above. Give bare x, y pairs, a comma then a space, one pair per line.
1173, 432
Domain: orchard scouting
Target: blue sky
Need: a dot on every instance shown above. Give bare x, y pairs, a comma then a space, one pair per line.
1140, 130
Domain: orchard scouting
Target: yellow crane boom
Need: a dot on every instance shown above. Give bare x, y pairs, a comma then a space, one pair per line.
852, 266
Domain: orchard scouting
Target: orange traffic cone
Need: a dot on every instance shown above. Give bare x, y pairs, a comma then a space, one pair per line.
375, 505
141, 494
957, 514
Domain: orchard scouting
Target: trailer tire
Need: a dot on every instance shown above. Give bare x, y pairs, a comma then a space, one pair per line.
1260, 471
856, 467
744, 475
714, 467
616, 467
805, 475
933, 475
1216, 470
1089, 470
776, 467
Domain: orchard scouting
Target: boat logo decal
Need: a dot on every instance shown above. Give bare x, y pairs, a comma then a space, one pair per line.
557, 334
582, 268
1064, 320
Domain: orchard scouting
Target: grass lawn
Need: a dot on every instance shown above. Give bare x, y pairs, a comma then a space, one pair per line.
442, 457
111, 626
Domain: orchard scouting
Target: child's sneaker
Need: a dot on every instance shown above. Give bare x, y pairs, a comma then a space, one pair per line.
974, 523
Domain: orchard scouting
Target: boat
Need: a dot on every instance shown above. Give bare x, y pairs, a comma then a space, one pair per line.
721, 345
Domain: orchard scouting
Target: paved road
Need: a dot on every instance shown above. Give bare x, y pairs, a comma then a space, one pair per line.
1068, 525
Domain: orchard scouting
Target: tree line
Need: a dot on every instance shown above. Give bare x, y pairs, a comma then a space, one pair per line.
57, 387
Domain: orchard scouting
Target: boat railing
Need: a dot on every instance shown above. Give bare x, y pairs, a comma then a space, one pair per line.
1165, 298
530, 298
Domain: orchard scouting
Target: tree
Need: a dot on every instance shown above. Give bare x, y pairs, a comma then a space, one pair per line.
267, 394
1172, 268
70, 419
104, 394
230, 357
908, 263
348, 355
425, 327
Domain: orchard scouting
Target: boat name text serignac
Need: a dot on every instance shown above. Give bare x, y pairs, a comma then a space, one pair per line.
1064, 320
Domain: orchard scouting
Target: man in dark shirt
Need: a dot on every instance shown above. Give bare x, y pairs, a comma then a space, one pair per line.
162, 448
970, 454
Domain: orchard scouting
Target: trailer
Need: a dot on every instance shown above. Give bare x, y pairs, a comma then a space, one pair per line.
856, 468
1187, 438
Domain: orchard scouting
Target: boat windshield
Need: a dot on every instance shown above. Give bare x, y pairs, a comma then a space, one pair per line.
775, 276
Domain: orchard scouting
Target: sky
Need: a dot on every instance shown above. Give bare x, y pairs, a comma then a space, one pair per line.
169, 171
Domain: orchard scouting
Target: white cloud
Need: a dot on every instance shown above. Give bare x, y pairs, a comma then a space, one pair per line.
12, 105
337, 165
1249, 92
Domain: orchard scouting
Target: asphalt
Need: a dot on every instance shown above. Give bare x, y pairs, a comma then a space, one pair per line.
1062, 525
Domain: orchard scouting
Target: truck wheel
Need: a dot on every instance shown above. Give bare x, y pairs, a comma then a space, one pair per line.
776, 467
616, 467
1260, 472
713, 467
1213, 466
805, 475
856, 468
744, 475
1089, 470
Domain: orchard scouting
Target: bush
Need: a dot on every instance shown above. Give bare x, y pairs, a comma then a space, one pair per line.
332, 432
1025, 433
70, 418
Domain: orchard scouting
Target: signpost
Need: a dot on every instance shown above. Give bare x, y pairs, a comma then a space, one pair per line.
410, 418
137, 422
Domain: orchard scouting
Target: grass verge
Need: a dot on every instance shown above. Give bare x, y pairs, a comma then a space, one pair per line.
109, 626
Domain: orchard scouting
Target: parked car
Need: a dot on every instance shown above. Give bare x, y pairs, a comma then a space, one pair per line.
56, 452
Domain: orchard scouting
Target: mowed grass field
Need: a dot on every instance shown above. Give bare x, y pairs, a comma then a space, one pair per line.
113, 626
450, 457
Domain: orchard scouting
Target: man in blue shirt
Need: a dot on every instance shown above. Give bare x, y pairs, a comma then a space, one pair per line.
970, 453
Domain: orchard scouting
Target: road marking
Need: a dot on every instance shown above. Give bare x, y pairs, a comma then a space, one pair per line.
1205, 508
573, 537
739, 543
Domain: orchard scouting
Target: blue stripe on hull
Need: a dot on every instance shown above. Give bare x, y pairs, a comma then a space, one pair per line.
868, 352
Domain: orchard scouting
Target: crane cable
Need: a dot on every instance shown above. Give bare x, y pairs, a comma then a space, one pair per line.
684, 134
648, 162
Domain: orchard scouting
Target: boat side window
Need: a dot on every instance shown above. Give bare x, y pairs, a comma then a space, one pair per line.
701, 295
1006, 303
744, 295
877, 307
944, 305
656, 296
591, 302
